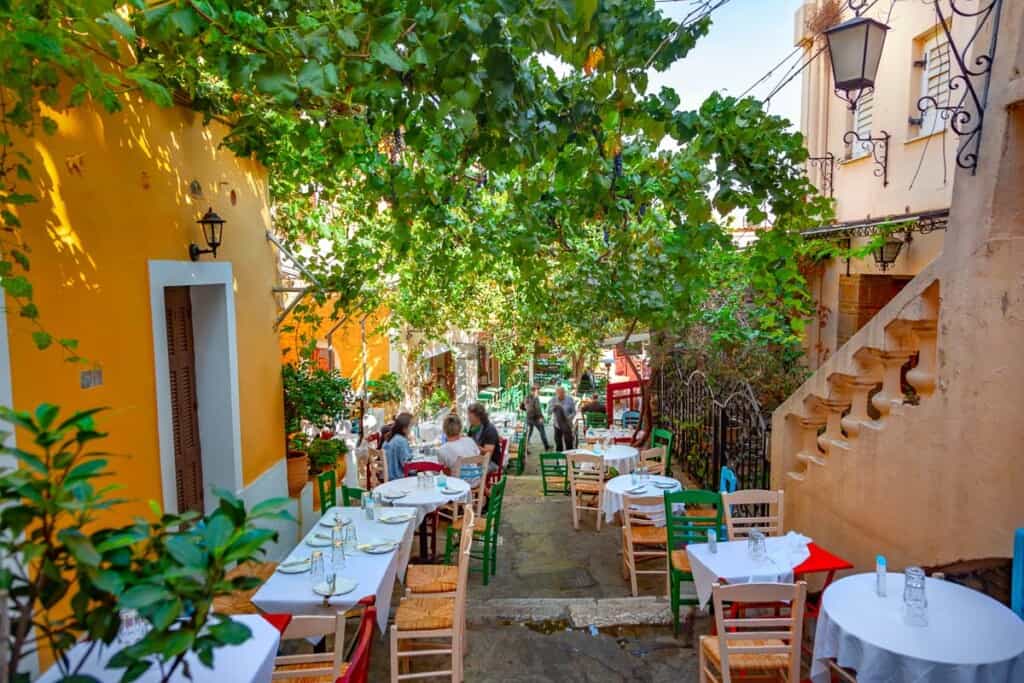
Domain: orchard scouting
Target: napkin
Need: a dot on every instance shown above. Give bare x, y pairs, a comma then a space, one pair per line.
786, 552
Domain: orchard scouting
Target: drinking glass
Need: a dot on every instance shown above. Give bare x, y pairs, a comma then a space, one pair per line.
441, 481
368, 504
316, 569
337, 555
756, 546
351, 539
915, 602
633, 477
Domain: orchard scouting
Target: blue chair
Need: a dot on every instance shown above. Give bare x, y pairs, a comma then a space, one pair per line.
1017, 578
727, 482
630, 419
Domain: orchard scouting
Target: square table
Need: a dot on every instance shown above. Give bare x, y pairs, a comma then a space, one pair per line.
375, 574
248, 662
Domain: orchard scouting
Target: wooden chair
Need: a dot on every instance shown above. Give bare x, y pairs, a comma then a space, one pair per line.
767, 648
663, 437
595, 420
683, 529
322, 667
358, 668
485, 532
351, 496
239, 601
474, 467
327, 484
653, 459
641, 539
586, 485
496, 475
423, 621
767, 517
376, 468
554, 476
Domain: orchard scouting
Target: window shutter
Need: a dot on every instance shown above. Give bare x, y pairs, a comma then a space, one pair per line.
862, 119
935, 83
188, 464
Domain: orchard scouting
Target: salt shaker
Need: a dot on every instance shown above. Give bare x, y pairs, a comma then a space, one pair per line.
712, 541
880, 572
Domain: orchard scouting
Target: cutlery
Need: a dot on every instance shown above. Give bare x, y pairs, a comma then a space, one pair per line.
295, 563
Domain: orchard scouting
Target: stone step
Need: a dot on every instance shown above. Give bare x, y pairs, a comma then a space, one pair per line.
576, 612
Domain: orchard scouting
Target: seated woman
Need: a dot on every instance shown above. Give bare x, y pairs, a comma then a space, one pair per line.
396, 448
458, 446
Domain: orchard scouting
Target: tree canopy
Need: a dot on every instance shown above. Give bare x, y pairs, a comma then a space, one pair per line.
494, 165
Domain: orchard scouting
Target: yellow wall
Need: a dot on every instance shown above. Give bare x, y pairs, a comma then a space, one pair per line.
114, 194
347, 344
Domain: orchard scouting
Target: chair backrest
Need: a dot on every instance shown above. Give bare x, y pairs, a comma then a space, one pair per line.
595, 419
376, 468
1017, 578
653, 459
691, 526
359, 664
552, 467
351, 495
630, 418
474, 467
415, 467
494, 506
465, 547
321, 664
327, 483
764, 508
661, 437
735, 633
635, 512
584, 467
503, 445
727, 481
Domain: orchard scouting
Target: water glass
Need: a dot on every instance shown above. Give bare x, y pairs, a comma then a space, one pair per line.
350, 539
633, 477
337, 555
915, 602
368, 504
757, 548
317, 571
442, 481
421, 480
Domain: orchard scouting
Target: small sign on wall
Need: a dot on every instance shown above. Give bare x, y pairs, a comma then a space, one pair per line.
91, 378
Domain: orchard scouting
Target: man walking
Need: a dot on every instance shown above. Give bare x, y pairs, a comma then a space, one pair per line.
563, 432
534, 416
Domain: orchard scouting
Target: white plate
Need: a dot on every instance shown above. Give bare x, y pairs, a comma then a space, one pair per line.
451, 492
395, 519
636, 490
395, 496
329, 521
341, 587
664, 485
294, 569
378, 547
318, 542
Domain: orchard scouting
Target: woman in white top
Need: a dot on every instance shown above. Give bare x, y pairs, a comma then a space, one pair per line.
457, 447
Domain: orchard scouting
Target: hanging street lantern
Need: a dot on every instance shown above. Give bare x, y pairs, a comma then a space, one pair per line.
855, 47
886, 254
213, 233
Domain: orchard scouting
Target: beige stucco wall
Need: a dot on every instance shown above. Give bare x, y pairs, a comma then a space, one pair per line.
942, 480
920, 169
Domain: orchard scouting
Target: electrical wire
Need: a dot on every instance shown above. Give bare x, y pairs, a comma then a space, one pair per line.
790, 77
690, 19
771, 71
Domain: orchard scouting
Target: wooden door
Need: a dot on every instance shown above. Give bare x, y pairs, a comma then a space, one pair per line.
861, 296
188, 462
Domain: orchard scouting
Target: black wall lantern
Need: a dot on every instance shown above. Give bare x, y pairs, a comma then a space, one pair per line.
213, 233
855, 47
886, 254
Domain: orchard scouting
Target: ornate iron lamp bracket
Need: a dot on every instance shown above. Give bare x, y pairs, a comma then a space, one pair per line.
967, 116
826, 164
879, 149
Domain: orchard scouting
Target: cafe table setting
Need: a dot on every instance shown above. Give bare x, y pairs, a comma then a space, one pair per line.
757, 559
251, 661
343, 558
638, 485
895, 627
425, 494
622, 458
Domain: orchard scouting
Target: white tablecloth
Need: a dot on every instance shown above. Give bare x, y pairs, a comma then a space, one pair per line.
425, 500
376, 574
599, 434
970, 638
733, 564
622, 458
615, 488
249, 662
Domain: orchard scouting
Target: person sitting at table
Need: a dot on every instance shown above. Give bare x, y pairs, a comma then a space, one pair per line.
457, 447
396, 448
485, 434
594, 405
563, 430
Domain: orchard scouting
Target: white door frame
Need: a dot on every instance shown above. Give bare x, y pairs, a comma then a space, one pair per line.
219, 416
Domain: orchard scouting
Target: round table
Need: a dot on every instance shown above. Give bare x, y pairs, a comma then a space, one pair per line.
615, 488
597, 434
969, 636
425, 500
622, 458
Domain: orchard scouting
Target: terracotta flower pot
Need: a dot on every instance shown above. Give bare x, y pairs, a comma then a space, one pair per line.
298, 472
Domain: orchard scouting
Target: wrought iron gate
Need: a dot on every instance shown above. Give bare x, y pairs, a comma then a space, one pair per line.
710, 433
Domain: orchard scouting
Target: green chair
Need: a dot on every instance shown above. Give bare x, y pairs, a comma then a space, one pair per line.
595, 420
554, 475
663, 437
683, 529
485, 534
351, 495
327, 483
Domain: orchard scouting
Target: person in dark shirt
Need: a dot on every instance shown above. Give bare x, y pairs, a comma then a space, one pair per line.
564, 440
486, 436
534, 416
594, 405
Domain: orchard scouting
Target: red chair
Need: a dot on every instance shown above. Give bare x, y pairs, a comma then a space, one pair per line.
427, 530
373, 440
358, 667
279, 621
495, 476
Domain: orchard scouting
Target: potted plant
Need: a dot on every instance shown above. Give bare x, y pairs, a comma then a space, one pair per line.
386, 391
314, 398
